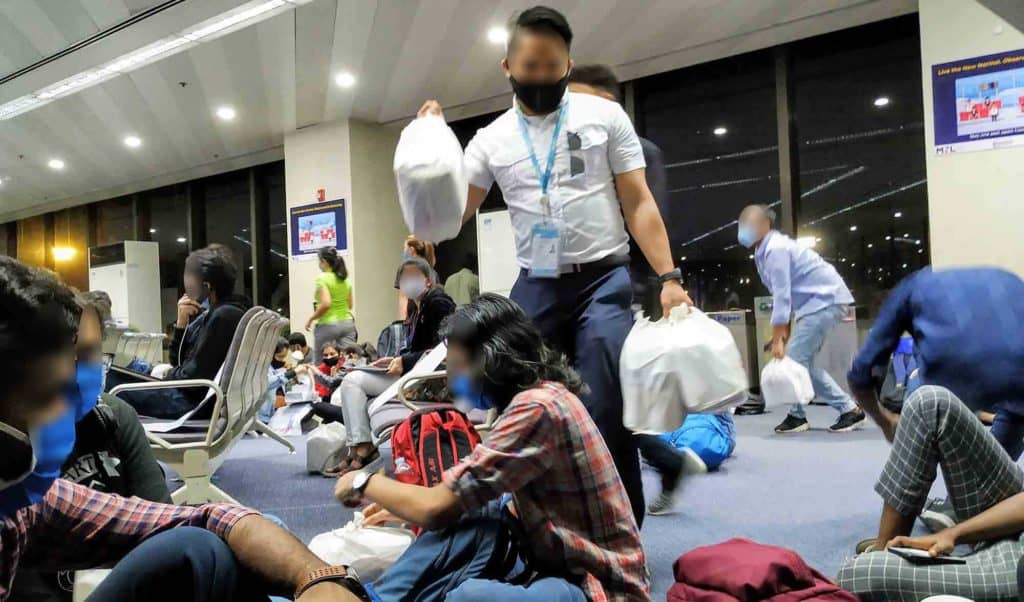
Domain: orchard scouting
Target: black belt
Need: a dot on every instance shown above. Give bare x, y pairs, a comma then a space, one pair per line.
611, 261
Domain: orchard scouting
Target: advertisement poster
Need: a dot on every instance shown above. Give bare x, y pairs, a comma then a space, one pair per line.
979, 103
318, 225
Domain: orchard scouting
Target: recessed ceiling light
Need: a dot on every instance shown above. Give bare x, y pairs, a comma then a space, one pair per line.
917, 242
683, 258
919, 251
497, 35
345, 79
898, 214
132, 141
906, 235
55, 164
904, 266
720, 130
226, 113
871, 244
152, 230
882, 101
853, 228
182, 239
887, 237
751, 256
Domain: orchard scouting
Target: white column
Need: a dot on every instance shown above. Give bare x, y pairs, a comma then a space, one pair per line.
974, 199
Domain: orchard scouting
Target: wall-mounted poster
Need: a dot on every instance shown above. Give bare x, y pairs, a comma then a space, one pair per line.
318, 225
979, 103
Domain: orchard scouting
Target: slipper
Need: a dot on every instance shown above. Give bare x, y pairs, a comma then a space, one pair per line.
340, 468
360, 462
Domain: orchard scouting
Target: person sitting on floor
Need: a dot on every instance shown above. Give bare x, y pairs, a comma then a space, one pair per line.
111, 452
986, 488
431, 306
544, 449
297, 344
206, 553
201, 336
282, 371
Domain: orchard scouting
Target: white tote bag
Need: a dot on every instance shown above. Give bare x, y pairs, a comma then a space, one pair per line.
786, 382
369, 550
324, 446
431, 181
684, 363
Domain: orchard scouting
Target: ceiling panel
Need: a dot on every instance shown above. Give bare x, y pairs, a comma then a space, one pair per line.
279, 75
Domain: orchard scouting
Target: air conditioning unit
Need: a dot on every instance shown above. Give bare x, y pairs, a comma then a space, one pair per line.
129, 272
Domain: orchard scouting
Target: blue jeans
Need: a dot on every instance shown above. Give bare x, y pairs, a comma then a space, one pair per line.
549, 589
586, 315
1008, 429
808, 336
185, 563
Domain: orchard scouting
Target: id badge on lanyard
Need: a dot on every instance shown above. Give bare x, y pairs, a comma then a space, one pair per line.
546, 237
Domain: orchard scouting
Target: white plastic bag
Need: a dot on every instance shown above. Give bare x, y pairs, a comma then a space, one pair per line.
324, 446
786, 382
369, 550
431, 181
677, 365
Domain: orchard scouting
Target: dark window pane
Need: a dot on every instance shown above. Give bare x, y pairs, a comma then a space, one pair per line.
277, 276
227, 222
114, 221
861, 128
168, 226
715, 124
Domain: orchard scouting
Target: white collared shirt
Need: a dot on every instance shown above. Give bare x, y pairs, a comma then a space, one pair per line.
584, 203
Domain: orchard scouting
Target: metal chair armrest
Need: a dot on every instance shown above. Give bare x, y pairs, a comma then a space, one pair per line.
218, 399
409, 380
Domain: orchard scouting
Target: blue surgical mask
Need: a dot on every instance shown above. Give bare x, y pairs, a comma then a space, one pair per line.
84, 393
746, 235
51, 445
464, 390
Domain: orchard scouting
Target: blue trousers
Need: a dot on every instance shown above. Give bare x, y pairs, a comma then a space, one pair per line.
549, 589
808, 336
1008, 429
186, 563
587, 316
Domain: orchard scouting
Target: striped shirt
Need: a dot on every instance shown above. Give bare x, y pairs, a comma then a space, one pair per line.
75, 527
546, 451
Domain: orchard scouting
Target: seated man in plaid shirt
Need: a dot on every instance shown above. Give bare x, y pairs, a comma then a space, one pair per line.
544, 449
161, 551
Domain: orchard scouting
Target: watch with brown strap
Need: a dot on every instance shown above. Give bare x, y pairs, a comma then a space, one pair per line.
342, 575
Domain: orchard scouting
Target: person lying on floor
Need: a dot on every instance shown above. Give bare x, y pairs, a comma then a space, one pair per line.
431, 306
162, 552
986, 488
544, 449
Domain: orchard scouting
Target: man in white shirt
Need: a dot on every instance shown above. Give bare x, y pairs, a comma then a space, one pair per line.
571, 170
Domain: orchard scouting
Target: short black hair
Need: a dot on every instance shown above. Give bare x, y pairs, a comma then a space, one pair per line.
214, 264
38, 316
508, 349
543, 20
598, 76
297, 338
282, 344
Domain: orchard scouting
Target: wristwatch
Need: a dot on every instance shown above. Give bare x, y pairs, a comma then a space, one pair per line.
342, 575
361, 480
675, 274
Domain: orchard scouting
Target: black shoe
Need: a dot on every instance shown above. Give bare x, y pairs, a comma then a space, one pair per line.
848, 421
792, 424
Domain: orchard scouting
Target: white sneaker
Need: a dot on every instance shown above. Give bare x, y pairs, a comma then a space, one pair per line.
692, 464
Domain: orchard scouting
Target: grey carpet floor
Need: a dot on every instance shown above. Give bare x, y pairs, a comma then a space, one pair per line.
811, 492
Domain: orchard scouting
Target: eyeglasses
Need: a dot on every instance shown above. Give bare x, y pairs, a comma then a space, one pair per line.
576, 163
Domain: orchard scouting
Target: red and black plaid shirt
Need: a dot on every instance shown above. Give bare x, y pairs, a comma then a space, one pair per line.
547, 452
75, 527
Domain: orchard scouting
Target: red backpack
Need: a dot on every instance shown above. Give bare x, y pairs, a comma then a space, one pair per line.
430, 441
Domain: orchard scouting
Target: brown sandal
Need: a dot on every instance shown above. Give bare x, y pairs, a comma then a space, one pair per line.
341, 468
360, 462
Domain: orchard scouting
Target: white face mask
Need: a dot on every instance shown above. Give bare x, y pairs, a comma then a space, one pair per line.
297, 355
413, 287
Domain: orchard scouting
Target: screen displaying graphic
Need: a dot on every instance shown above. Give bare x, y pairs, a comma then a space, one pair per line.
979, 103
318, 225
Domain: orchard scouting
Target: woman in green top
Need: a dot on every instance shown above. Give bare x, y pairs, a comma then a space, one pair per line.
332, 306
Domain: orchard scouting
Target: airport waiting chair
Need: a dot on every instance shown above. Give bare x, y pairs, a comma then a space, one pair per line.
197, 448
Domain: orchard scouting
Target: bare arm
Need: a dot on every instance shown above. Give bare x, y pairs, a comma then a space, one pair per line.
1003, 519
867, 399
474, 200
323, 304
645, 224
430, 507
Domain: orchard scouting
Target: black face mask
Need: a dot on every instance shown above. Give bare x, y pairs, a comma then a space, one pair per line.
542, 97
331, 362
276, 364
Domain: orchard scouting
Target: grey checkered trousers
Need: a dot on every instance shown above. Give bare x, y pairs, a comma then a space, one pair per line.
937, 429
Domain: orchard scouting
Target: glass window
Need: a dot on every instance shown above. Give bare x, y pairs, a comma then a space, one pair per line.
715, 124
168, 226
860, 123
277, 221
7, 240
227, 222
115, 221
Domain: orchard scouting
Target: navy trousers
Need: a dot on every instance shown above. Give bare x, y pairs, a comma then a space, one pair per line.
1008, 429
186, 563
587, 316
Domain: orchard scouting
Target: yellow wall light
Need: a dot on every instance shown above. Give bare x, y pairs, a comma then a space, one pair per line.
63, 253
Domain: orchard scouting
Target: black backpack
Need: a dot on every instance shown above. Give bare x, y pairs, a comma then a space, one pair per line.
391, 339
